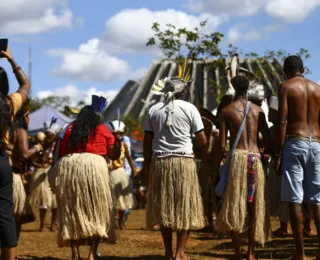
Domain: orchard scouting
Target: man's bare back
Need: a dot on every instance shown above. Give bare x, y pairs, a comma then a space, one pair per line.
232, 117
300, 97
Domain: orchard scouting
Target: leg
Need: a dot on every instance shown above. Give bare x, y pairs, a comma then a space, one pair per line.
18, 225
93, 248
316, 210
297, 217
182, 239
121, 216
8, 253
236, 245
167, 240
251, 231
75, 250
307, 231
43, 213
54, 219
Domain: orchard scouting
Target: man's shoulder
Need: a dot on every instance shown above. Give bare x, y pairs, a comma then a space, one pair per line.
185, 104
156, 106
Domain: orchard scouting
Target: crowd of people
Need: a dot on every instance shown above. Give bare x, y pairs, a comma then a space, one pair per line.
84, 172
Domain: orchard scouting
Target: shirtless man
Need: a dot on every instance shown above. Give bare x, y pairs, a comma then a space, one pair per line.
246, 168
299, 147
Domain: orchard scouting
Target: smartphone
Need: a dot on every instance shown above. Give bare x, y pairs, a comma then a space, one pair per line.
3, 46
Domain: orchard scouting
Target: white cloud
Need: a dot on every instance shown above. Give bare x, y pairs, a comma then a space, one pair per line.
76, 94
34, 16
291, 11
88, 63
242, 8
129, 30
284, 10
126, 32
236, 34
246, 33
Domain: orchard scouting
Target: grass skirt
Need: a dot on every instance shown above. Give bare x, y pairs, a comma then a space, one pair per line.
19, 194
41, 194
174, 196
121, 189
83, 197
233, 212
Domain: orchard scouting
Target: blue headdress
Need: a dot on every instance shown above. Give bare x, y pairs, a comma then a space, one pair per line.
99, 104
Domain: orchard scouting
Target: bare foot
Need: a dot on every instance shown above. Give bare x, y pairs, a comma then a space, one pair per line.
53, 228
44, 229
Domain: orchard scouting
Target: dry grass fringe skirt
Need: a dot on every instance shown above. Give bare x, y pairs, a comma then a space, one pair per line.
19, 194
83, 197
174, 196
121, 189
233, 212
41, 194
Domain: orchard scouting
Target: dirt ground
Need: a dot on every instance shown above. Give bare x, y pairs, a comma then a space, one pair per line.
136, 243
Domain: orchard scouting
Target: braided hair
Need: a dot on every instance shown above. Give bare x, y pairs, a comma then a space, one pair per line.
84, 126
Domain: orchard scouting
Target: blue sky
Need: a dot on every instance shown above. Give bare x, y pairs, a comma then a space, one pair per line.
81, 47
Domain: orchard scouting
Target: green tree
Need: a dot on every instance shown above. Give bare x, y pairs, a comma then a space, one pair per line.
180, 43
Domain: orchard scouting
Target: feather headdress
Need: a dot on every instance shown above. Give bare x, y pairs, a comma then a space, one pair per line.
52, 126
168, 87
256, 90
99, 104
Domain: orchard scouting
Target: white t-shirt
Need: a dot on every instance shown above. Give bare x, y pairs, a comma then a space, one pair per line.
176, 139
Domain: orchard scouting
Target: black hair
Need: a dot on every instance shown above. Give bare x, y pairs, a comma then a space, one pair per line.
4, 83
241, 85
6, 123
85, 125
19, 119
293, 63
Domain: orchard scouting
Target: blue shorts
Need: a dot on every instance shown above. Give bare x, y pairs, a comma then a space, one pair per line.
301, 172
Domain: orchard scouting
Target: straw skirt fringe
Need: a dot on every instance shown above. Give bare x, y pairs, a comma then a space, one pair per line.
41, 194
121, 189
233, 212
83, 197
19, 194
174, 196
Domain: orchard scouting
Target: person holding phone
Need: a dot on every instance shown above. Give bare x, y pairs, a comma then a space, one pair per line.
9, 106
